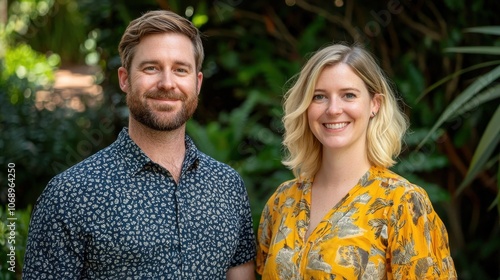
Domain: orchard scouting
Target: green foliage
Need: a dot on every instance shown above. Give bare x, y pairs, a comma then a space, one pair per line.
13, 234
49, 141
44, 25
253, 50
480, 91
25, 70
42, 142
22, 15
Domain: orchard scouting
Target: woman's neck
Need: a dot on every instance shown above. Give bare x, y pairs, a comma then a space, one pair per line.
339, 168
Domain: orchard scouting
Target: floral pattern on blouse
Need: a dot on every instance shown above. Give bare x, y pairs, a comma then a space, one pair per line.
384, 228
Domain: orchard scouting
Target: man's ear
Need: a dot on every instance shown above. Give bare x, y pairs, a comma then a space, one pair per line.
123, 79
199, 78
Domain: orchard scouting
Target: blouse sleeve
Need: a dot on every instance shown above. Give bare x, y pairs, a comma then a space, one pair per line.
264, 234
418, 241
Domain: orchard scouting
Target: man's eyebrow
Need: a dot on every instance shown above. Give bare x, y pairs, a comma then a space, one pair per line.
157, 62
183, 63
145, 62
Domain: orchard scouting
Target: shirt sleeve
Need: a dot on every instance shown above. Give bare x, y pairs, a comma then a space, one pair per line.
245, 251
54, 248
418, 243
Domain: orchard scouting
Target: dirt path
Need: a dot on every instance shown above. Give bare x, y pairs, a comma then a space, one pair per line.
74, 88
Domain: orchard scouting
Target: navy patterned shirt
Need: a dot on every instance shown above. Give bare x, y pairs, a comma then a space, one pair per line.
118, 215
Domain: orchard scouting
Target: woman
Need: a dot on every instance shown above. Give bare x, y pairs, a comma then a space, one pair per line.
345, 215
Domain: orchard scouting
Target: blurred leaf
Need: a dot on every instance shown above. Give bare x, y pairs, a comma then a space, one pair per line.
239, 117
199, 20
203, 140
492, 30
497, 199
462, 98
230, 59
489, 141
418, 161
200, 17
310, 39
456, 74
481, 98
475, 50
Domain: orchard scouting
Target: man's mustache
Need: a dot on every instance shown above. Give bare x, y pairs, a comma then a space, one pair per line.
159, 94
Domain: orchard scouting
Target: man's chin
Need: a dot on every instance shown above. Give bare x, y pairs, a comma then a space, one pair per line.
165, 124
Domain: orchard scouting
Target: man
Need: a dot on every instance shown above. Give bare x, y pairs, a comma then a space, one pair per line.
149, 206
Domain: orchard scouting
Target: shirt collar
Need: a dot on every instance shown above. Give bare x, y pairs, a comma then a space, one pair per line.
136, 159
191, 158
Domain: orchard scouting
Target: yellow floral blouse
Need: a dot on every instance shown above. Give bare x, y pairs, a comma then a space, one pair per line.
384, 228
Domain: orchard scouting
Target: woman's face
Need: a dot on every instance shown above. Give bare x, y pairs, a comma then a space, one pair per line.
340, 110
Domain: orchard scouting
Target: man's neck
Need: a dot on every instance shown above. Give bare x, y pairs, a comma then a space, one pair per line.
166, 148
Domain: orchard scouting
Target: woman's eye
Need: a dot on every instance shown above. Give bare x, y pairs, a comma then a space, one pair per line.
318, 97
350, 95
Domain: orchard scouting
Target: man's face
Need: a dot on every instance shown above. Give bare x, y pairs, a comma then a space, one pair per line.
162, 86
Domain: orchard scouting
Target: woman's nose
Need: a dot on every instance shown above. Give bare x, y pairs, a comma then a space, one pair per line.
334, 107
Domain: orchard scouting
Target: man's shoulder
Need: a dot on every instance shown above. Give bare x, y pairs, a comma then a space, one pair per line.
97, 165
98, 161
212, 163
213, 168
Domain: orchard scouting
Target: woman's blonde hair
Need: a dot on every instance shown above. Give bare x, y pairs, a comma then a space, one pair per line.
385, 130
157, 22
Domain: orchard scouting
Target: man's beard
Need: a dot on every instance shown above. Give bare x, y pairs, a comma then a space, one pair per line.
144, 114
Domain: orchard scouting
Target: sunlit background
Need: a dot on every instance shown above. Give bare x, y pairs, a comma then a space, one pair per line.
60, 101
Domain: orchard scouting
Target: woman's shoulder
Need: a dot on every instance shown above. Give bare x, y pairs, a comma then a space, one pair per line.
294, 185
292, 188
391, 183
390, 188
